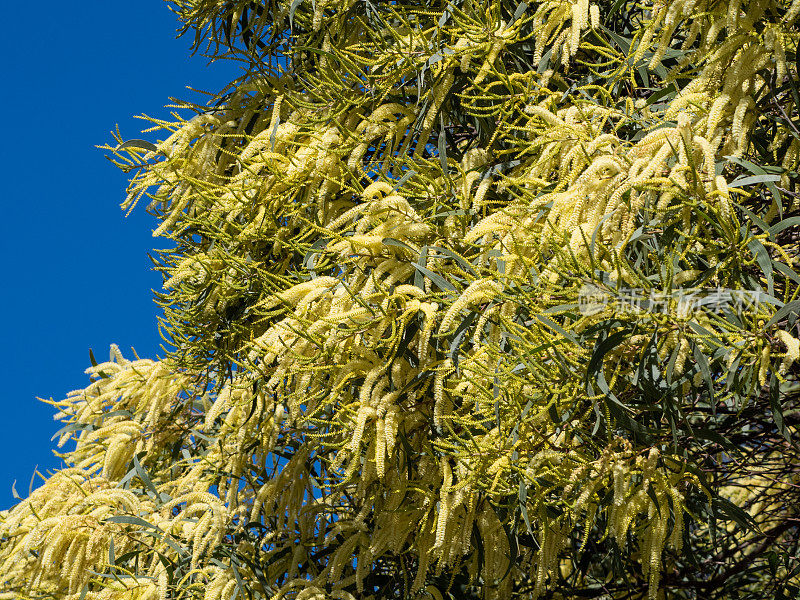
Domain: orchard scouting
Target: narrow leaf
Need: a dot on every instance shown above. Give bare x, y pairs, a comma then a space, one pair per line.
292, 8
437, 279
764, 261
131, 520
753, 179
137, 144
786, 310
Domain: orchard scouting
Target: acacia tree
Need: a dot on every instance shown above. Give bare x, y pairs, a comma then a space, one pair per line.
440, 315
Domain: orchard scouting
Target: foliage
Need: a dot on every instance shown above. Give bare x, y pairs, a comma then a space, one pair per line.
401, 361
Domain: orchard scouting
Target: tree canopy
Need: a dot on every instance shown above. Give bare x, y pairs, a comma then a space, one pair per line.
462, 300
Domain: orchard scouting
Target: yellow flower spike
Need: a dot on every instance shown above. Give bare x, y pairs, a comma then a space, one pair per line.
594, 16
763, 365
792, 349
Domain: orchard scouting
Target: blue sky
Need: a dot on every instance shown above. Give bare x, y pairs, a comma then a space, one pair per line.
75, 271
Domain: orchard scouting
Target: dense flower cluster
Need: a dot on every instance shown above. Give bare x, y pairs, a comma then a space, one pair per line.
382, 384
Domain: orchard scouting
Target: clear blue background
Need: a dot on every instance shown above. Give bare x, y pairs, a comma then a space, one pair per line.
75, 272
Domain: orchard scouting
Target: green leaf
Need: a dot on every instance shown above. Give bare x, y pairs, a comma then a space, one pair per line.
652, 493
615, 7
441, 143
445, 15
33, 476
138, 145
521, 8
669, 91
755, 219
544, 63
786, 271
387, 241
764, 261
292, 8
142, 474
560, 309
419, 277
772, 559
272, 134
699, 329
725, 506
792, 307
717, 438
602, 347
69, 427
131, 520
753, 179
239, 583
523, 505
702, 363
780, 226
406, 176
309, 260
712, 522
757, 170
446, 252
617, 409
777, 409
623, 43
556, 327
435, 278
458, 337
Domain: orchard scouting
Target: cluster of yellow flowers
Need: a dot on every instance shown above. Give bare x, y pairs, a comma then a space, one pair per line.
378, 349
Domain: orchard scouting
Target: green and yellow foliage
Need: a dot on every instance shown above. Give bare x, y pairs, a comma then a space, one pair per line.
383, 378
